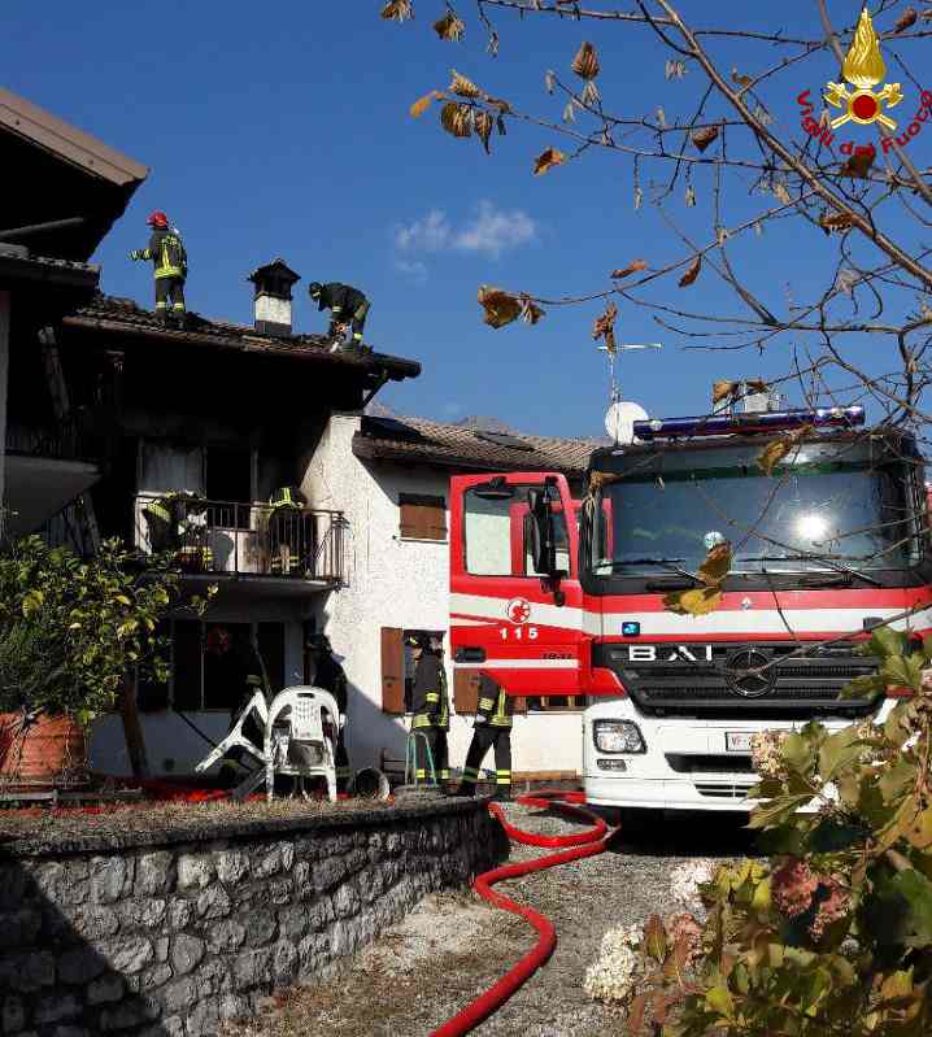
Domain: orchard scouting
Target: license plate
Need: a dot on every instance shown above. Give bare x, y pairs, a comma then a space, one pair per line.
738, 741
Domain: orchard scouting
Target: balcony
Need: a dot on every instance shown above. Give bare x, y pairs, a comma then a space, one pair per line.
301, 548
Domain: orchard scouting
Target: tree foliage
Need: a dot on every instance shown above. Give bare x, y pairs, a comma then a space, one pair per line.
72, 629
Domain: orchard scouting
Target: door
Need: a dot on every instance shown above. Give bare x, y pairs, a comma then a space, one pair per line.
521, 628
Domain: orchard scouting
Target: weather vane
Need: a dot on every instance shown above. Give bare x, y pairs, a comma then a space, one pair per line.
621, 415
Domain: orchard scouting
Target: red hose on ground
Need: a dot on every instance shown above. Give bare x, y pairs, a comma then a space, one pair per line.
584, 844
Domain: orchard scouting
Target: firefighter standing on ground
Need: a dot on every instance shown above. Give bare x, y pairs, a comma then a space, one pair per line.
493, 728
329, 676
347, 305
170, 264
431, 708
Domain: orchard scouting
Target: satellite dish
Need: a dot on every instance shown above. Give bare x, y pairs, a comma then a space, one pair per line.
620, 418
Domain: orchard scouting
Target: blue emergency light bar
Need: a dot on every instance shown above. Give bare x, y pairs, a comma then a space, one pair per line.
723, 424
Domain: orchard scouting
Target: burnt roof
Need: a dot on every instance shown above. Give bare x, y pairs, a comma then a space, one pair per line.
130, 321
18, 264
419, 441
54, 172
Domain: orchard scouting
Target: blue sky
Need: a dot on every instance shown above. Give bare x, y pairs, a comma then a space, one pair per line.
284, 130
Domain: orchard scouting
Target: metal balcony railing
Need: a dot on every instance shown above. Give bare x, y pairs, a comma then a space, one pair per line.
218, 537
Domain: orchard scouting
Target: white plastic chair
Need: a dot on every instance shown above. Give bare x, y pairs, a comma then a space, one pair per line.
294, 740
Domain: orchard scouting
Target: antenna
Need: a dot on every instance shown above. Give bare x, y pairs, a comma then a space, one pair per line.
621, 415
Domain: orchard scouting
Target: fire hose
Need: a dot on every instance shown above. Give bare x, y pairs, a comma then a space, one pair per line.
581, 844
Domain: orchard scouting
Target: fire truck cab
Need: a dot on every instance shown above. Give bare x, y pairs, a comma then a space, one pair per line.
556, 596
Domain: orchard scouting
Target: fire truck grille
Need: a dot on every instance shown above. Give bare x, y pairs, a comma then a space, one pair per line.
764, 679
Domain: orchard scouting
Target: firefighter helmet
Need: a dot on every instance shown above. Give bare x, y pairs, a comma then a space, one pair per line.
314, 289
157, 219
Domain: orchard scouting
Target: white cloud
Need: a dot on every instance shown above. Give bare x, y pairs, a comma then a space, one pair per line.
489, 231
415, 269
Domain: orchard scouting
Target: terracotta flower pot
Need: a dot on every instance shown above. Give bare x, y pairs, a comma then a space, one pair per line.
50, 752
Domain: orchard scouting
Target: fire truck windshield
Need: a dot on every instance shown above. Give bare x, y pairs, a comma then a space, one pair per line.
661, 512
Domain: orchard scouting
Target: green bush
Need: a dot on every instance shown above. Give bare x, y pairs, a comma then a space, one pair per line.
832, 935
72, 629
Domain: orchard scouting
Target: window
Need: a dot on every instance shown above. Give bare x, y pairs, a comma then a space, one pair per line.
422, 518
164, 467
496, 535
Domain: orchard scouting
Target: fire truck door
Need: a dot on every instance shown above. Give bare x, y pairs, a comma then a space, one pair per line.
521, 627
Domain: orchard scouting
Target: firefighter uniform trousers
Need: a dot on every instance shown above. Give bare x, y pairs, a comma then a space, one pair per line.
431, 718
493, 729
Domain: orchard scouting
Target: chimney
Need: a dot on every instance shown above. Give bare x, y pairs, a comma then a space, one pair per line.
273, 282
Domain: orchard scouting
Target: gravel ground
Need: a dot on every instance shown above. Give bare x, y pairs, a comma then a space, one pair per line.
453, 946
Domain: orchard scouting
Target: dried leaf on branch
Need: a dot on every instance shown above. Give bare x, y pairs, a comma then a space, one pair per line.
546, 160
859, 164
906, 19
500, 307
740, 78
450, 27
692, 272
586, 62
675, 69
774, 452
484, 124
703, 137
781, 193
456, 119
723, 390
604, 326
531, 313
463, 87
423, 103
699, 601
836, 221
632, 268
398, 10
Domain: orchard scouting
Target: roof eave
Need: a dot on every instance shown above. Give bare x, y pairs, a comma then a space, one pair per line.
369, 449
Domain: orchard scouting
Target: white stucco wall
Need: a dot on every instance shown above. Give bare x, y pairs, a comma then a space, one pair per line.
402, 583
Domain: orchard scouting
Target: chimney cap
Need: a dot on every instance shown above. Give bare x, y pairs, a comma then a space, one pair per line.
275, 278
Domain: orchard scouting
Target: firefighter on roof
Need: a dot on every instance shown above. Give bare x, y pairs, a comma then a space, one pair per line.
431, 708
347, 305
493, 728
329, 676
170, 263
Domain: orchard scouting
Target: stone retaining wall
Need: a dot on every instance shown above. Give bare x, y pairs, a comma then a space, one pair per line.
156, 935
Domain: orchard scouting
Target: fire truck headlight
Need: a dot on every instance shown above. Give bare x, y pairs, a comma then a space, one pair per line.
617, 736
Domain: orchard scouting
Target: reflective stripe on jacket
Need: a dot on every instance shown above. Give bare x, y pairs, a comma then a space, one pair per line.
495, 707
429, 701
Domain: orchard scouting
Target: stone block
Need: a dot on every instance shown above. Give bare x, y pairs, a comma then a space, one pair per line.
278, 858
155, 977
313, 952
252, 969
128, 955
232, 866
280, 891
321, 913
213, 903
63, 882
55, 1007
144, 912
28, 972
128, 1015
111, 878
186, 953
346, 900
106, 990
284, 963
355, 861
13, 1015
328, 873
204, 1018
213, 977
260, 927
293, 922
155, 873
195, 871
180, 913
94, 923
179, 996
161, 948
303, 879
225, 936
80, 965
19, 928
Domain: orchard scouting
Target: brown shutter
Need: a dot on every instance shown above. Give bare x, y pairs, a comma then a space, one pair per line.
423, 518
521, 704
465, 691
393, 671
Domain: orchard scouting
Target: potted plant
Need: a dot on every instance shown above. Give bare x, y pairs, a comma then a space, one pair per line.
71, 631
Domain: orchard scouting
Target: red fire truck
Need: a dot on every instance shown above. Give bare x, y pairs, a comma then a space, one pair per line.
556, 596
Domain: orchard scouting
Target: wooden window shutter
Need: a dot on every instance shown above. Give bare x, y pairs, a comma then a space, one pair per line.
393, 671
465, 691
423, 518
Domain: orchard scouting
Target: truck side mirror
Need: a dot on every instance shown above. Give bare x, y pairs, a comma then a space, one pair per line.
542, 533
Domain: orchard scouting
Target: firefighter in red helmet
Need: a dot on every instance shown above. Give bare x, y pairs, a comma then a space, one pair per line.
170, 263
